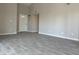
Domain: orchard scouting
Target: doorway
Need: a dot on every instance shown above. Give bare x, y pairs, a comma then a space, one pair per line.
23, 23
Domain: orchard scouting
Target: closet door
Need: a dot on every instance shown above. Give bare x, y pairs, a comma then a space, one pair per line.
32, 22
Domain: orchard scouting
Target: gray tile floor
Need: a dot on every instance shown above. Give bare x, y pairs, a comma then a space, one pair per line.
36, 44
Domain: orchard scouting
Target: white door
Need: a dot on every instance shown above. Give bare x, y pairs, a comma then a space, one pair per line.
23, 23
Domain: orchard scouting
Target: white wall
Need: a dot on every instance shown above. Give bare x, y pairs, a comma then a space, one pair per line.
59, 20
8, 18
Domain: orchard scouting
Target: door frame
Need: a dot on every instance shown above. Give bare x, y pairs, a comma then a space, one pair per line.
17, 29
38, 23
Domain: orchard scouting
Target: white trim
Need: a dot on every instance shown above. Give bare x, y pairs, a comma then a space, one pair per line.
8, 33
31, 31
75, 39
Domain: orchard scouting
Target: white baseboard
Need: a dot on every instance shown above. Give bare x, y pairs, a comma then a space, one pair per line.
60, 36
31, 31
8, 33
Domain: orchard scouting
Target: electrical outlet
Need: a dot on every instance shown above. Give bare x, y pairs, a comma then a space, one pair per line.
62, 33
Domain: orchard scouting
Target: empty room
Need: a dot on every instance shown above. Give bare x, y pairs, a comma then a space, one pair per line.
39, 28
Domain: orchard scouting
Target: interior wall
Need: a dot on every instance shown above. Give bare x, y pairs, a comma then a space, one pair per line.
8, 17
59, 19
23, 9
